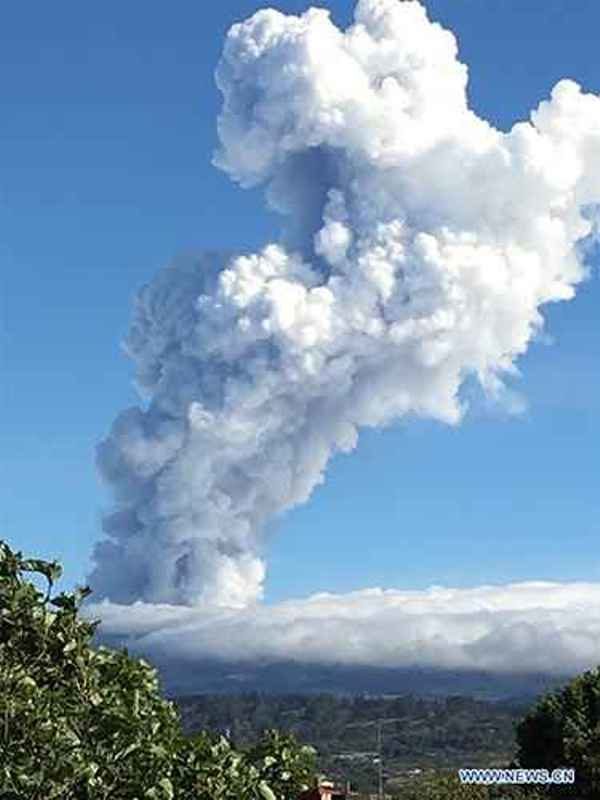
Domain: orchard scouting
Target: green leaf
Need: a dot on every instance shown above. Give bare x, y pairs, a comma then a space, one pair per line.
265, 791
167, 787
65, 601
129, 749
50, 569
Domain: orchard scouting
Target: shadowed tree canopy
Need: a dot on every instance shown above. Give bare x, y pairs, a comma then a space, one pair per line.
563, 730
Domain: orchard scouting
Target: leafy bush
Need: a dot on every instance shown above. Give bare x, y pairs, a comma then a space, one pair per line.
447, 786
441, 787
563, 730
79, 723
282, 765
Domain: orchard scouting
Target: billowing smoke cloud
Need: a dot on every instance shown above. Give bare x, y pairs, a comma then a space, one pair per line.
418, 246
528, 627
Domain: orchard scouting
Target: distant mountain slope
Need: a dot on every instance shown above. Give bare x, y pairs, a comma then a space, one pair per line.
423, 733
291, 677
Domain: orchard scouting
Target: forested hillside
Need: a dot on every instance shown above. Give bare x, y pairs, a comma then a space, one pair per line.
430, 733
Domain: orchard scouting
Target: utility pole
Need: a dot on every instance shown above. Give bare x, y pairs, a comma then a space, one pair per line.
380, 759
379, 723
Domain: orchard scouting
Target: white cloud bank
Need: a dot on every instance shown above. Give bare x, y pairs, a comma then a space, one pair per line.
551, 628
418, 247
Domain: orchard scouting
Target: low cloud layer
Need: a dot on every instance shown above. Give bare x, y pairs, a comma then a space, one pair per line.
418, 248
543, 627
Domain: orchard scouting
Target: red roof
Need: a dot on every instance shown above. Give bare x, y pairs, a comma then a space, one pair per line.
325, 791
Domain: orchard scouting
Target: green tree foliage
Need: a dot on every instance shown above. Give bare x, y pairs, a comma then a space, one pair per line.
563, 730
79, 723
284, 766
442, 787
447, 786
433, 733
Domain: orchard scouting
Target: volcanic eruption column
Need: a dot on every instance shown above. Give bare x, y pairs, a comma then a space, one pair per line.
418, 244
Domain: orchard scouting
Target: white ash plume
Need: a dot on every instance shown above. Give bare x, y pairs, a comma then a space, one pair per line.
418, 247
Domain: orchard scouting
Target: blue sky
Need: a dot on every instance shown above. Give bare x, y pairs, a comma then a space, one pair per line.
105, 175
